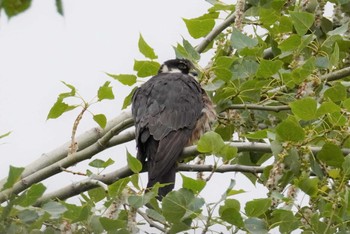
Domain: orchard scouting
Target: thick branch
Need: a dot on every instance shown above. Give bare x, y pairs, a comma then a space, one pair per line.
89, 183
55, 168
84, 140
109, 178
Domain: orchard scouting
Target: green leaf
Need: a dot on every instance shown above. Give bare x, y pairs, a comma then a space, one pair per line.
246, 69
290, 130
133, 163
240, 41
128, 99
228, 152
291, 43
230, 212
101, 120
191, 51
268, 16
98, 163
331, 154
112, 224
153, 214
195, 185
134, 179
97, 194
59, 7
55, 209
223, 74
337, 119
210, 142
322, 62
32, 195
28, 216
305, 108
146, 68
68, 94
309, 186
105, 92
336, 93
346, 165
302, 21
180, 205
257, 207
117, 187
137, 201
226, 131
268, 68
232, 216
334, 59
13, 8
180, 51
327, 108
5, 135
13, 176
145, 49
339, 30
255, 226
77, 213
58, 109
125, 79
261, 134
286, 220
201, 26
299, 74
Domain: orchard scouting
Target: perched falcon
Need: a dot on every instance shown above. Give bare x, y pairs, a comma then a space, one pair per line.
171, 111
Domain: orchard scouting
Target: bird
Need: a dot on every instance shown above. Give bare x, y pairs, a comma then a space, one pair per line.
171, 111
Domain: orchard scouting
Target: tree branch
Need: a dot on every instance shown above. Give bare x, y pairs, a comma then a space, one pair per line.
109, 178
84, 140
55, 168
221, 169
151, 222
216, 31
258, 107
336, 75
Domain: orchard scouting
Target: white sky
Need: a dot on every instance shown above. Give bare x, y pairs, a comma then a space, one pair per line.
40, 48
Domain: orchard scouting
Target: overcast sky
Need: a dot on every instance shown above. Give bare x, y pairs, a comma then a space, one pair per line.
40, 48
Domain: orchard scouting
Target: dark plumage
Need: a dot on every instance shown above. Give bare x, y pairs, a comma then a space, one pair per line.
169, 109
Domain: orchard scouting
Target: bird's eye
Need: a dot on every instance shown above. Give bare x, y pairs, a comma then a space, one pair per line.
182, 66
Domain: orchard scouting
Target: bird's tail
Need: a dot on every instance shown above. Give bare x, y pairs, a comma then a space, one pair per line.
168, 178
162, 156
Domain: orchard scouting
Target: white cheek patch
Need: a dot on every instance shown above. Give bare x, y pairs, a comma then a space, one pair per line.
165, 69
174, 70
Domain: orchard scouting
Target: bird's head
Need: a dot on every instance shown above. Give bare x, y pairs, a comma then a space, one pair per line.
178, 65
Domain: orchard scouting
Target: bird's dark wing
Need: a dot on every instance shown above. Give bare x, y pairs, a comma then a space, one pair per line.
165, 109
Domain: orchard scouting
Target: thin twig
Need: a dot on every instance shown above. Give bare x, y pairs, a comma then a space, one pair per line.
151, 222
216, 31
73, 148
336, 75
258, 107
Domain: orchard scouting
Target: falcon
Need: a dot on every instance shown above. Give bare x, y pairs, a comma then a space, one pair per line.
171, 111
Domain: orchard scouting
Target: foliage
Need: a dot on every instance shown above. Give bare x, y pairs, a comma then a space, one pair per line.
285, 82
